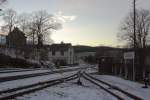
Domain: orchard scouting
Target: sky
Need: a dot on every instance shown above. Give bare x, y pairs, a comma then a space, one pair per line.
87, 22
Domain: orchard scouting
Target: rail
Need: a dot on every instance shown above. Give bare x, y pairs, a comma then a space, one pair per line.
15, 92
110, 88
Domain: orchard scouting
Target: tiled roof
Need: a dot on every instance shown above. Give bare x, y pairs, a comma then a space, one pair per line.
54, 47
59, 47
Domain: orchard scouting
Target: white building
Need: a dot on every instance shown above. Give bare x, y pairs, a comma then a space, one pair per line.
62, 54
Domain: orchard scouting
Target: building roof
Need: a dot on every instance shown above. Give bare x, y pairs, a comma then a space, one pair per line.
59, 47
53, 47
17, 31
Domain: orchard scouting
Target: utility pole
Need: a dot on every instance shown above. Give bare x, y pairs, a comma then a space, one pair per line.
134, 11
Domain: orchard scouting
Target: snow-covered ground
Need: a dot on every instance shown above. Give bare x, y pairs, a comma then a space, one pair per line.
65, 91
70, 91
23, 73
129, 86
13, 70
36, 71
9, 68
28, 81
92, 69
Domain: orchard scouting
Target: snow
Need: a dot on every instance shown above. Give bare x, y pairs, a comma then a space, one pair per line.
35, 71
129, 86
65, 91
92, 69
70, 91
28, 81
12, 71
22, 73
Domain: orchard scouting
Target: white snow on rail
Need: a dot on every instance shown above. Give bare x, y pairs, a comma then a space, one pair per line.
70, 91
129, 86
35, 71
29, 81
23, 73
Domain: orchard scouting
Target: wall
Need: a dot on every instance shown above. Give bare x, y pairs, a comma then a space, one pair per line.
68, 56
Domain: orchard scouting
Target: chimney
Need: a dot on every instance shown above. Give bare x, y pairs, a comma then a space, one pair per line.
62, 42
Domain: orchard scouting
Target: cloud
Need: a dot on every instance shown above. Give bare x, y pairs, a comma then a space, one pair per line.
69, 18
63, 18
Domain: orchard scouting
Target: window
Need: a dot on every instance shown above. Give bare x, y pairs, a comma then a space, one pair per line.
53, 53
62, 53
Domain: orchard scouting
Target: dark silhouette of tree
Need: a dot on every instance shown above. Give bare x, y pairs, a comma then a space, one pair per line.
37, 26
2, 2
142, 28
41, 24
10, 20
40, 40
142, 34
23, 22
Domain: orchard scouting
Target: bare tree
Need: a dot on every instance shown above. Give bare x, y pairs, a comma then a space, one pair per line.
37, 26
142, 28
2, 1
10, 20
41, 25
23, 22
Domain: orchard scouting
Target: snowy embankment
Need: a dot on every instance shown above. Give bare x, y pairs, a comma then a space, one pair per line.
23, 73
92, 69
129, 86
36, 71
11, 71
70, 91
7, 68
29, 81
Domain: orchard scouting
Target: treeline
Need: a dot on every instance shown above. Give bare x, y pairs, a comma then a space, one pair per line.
37, 25
82, 48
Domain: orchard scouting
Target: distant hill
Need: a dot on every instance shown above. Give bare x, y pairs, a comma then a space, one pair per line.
82, 48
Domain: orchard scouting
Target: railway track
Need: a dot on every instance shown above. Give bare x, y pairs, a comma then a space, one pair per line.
19, 91
10, 78
12, 71
120, 94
